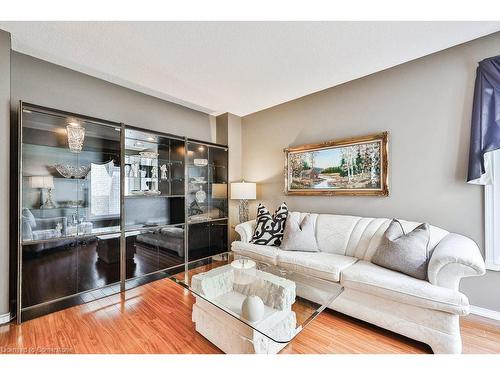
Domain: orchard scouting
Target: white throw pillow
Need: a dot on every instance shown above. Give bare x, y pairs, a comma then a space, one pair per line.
300, 233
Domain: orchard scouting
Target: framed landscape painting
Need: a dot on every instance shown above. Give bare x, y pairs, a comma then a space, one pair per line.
354, 166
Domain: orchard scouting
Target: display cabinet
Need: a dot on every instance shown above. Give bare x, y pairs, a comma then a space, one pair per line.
103, 206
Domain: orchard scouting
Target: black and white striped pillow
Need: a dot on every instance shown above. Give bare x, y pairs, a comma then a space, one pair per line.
270, 228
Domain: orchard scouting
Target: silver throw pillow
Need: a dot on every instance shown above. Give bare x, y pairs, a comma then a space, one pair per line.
407, 253
300, 234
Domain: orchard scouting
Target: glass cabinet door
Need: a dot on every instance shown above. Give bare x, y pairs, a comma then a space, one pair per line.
151, 250
70, 188
198, 182
49, 200
207, 239
176, 170
154, 180
154, 202
218, 187
99, 192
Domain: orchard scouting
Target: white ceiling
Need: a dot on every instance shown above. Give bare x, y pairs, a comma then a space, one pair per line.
237, 67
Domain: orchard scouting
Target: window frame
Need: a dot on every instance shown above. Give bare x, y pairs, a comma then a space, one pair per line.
492, 215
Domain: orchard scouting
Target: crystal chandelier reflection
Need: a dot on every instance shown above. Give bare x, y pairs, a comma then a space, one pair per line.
76, 135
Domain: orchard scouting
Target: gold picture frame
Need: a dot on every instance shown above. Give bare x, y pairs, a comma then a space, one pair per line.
352, 166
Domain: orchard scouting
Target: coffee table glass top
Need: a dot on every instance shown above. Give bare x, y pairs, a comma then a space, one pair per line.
276, 302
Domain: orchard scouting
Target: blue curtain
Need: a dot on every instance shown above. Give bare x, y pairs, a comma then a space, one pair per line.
485, 125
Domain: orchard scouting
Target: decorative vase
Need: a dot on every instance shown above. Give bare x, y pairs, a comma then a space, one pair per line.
252, 309
200, 195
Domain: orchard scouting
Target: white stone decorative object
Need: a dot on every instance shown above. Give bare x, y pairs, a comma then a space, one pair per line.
252, 309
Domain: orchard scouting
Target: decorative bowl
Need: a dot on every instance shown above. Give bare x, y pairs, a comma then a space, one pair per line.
70, 171
198, 180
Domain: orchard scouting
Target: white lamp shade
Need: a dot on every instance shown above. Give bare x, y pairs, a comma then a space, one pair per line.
41, 182
219, 191
243, 190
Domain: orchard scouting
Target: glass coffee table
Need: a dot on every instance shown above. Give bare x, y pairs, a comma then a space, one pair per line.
247, 306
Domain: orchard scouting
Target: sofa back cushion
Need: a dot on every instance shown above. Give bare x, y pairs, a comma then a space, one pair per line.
360, 237
333, 232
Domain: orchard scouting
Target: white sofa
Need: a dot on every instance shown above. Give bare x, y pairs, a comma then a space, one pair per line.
426, 311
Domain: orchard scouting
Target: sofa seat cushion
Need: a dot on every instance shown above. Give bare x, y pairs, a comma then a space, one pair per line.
370, 278
263, 253
322, 265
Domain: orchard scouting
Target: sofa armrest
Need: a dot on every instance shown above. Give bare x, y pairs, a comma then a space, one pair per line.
454, 257
245, 230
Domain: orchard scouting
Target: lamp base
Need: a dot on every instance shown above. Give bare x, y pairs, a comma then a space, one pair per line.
243, 210
49, 203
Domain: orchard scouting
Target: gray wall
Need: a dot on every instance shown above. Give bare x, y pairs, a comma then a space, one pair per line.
4, 169
426, 106
40, 82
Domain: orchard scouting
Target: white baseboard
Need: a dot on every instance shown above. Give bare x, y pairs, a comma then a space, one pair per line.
487, 313
4, 318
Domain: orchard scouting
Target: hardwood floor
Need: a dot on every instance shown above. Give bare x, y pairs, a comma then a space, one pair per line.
156, 318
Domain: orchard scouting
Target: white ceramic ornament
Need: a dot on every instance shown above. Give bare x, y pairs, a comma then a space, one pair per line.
252, 309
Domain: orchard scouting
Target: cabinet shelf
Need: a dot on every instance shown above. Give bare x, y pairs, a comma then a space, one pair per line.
139, 227
206, 220
155, 179
191, 165
154, 196
77, 236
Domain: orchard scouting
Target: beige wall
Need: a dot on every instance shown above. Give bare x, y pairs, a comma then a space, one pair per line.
426, 106
4, 169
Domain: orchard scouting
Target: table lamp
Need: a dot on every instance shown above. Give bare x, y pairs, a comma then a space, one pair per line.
43, 182
243, 191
